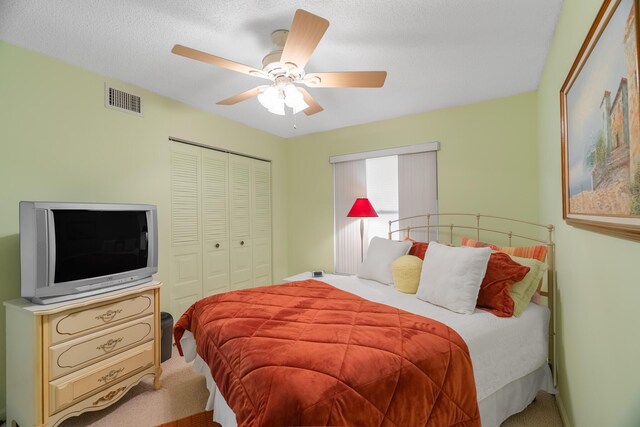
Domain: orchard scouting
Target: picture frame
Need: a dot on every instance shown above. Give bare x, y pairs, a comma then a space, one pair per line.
600, 126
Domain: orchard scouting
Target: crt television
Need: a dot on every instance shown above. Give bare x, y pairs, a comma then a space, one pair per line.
73, 250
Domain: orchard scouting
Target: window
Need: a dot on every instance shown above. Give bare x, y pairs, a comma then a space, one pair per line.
399, 183
382, 191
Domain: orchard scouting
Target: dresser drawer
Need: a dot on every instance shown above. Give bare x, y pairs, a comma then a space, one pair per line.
72, 355
82, 321
71, 388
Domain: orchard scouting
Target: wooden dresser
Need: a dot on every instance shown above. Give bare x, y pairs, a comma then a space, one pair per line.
82, 355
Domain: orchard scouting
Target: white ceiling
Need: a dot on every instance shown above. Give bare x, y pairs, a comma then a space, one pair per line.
438, 53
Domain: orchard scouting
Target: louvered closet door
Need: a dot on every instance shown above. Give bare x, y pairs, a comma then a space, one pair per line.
215, 223
241, 263
186, 244
261, 222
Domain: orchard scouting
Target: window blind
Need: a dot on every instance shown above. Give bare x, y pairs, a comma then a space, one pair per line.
349, 184
418, 192
397, 185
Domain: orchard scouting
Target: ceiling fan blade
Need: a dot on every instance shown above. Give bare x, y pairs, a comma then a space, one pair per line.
241, 97
346, 79
306, 31
198, 55
314, 107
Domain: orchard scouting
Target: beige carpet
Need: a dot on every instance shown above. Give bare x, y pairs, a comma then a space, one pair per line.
184, 393
543, 412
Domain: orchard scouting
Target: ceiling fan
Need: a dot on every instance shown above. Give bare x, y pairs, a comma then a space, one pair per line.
284, 67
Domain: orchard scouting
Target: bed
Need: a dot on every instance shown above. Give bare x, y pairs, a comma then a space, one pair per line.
512, 357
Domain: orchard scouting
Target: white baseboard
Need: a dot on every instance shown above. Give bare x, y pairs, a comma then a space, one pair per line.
563, 412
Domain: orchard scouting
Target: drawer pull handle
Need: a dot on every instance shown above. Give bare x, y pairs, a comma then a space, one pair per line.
109, 315
112, 375
107, 397
109, 345
242, 243
217, 245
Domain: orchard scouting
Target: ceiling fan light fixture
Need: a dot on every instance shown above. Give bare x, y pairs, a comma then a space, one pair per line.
292, 95
277, 108
294, 99
274, 98
300, 106
269, 97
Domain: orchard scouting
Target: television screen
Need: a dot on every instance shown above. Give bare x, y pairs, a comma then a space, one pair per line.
91, 243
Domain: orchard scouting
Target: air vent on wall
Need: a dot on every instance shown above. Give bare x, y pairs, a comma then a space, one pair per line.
123, 101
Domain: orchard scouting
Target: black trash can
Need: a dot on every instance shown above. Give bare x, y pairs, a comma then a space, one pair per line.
166, 322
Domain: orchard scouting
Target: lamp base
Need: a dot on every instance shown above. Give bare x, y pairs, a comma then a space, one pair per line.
361, 240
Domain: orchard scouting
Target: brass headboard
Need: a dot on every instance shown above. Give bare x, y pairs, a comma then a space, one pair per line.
498, 226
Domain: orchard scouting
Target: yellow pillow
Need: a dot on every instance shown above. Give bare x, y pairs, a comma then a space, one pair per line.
522, 291
406, 273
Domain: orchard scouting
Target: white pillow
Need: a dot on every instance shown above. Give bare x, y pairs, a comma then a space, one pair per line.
451, 276
380, 256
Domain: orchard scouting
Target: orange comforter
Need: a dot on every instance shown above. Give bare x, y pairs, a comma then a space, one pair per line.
306, 353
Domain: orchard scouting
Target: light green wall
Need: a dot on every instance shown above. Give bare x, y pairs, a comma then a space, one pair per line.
497, 157
598, 284
60, 143
487, 164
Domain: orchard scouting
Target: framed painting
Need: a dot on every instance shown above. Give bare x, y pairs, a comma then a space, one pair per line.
600, 126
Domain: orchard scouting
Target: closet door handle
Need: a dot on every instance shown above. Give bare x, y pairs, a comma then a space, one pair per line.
217, 245
241, 242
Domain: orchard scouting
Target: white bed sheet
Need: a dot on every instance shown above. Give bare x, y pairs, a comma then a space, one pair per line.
509, 355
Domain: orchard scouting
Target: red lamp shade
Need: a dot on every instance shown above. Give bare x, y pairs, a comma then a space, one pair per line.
362, 209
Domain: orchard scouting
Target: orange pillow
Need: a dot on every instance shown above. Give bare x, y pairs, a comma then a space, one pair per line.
417, 248
502, 273
538, 252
